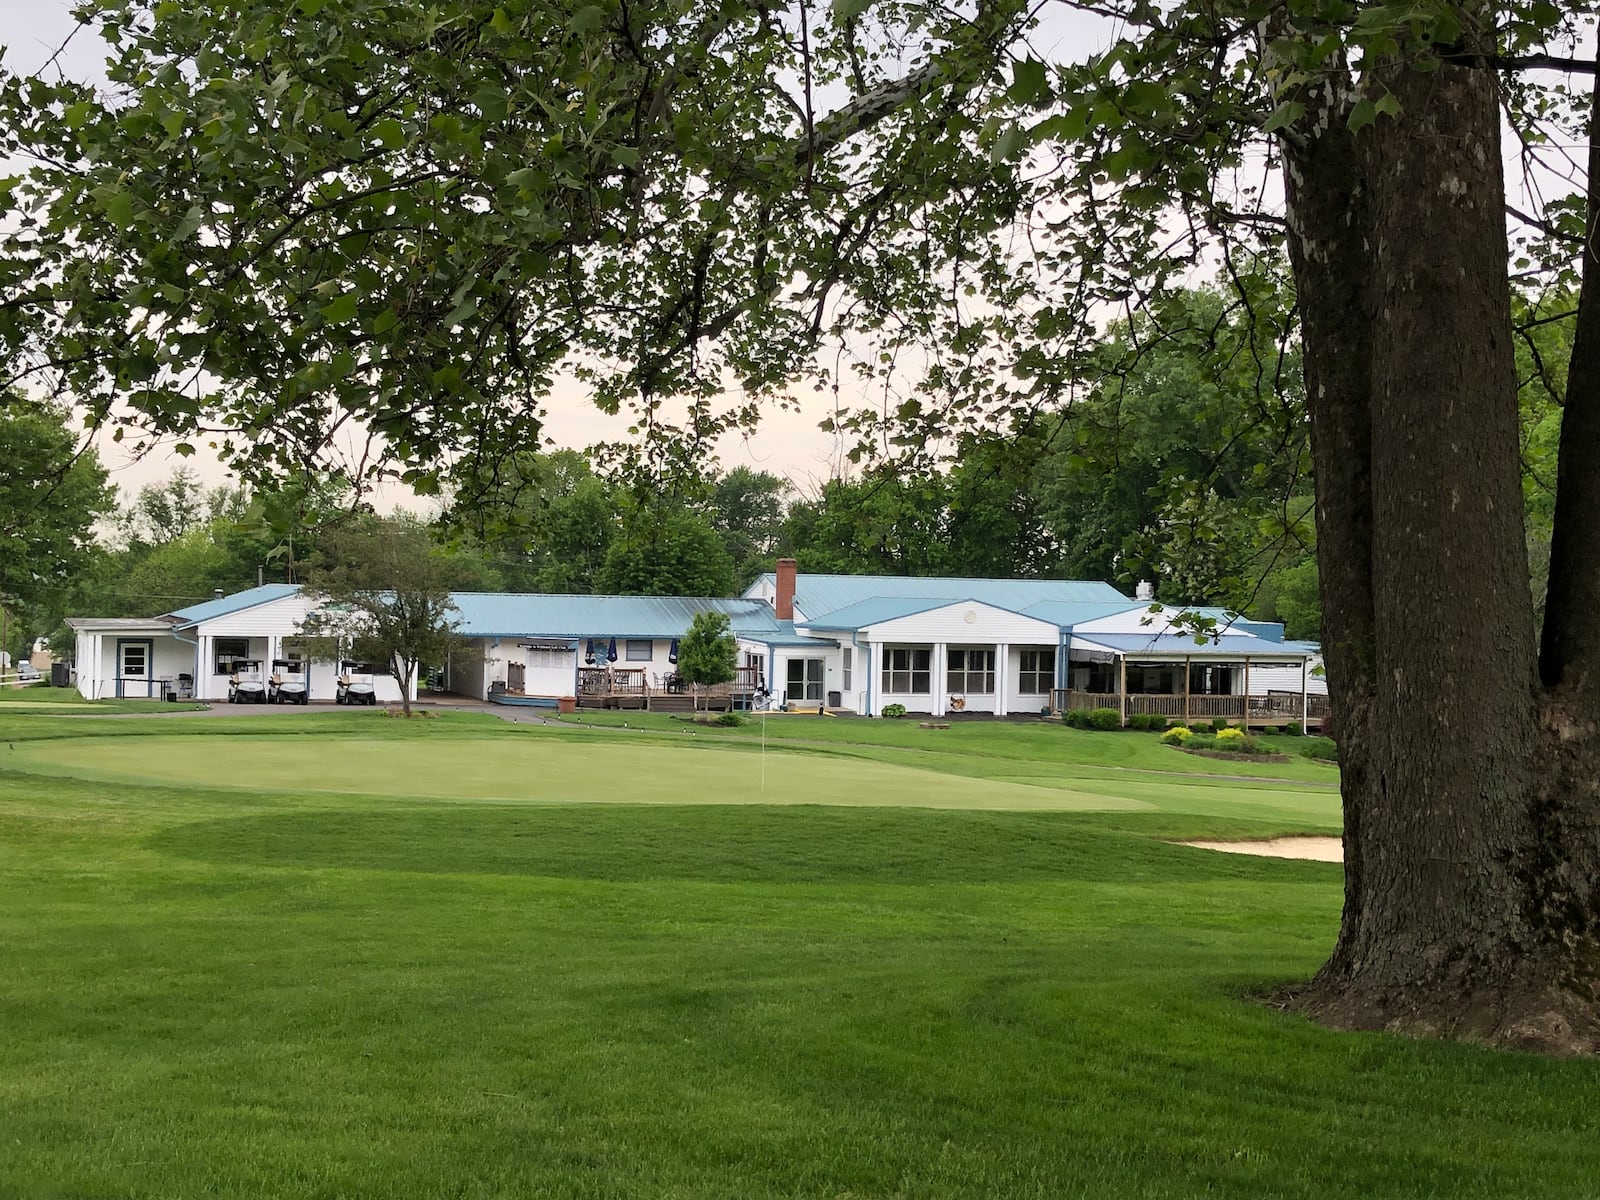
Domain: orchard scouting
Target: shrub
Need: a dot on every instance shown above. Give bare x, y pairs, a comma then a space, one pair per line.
1230, 734
1322, 748
1218, 724
1295, 729
1076, 718
1105, 718
1150, 722
1178, 735
730, 719
894, 710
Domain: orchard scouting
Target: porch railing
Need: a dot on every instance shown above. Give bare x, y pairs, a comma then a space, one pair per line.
1274, 708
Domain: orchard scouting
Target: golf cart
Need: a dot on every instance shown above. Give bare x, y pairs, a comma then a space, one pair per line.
288, 682
355, 683
245, 685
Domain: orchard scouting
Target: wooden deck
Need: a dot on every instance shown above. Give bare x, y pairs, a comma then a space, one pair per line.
646, 691
1272, 709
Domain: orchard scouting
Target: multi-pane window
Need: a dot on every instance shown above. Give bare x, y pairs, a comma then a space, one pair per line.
908, 670
970, 671
1036, 674
228, 652
845, 674
640, 651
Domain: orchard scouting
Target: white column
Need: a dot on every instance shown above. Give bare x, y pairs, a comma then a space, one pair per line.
938, 672
1305, 685
1000, 674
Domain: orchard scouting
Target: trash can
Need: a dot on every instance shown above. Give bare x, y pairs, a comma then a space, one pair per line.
835, 699
60, 675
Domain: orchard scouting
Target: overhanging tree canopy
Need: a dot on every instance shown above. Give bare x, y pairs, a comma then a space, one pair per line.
405, 214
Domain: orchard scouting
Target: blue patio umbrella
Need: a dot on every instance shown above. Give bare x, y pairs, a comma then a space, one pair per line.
672, 653
611, 651
588, 655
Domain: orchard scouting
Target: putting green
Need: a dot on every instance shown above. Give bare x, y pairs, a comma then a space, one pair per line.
539, 771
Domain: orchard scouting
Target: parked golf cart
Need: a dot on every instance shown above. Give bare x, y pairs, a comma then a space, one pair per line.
355, 683
288, 684
245, 685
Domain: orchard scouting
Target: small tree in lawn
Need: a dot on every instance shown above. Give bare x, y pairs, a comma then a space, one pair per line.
708, 653
385, 589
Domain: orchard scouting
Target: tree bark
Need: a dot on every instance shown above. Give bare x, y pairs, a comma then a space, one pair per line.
1470, 905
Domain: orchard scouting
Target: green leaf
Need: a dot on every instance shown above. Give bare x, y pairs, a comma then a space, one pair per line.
845, 11
1028, 85
390, 134
1363, 114
117, 205
1284, 116
588, 19
344, 308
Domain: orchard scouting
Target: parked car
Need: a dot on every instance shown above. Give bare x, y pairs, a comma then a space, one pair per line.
28, 673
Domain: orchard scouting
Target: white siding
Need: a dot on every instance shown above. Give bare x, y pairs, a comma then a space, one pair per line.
965, 623
832, 668
1018, 701
278, 618
470, 669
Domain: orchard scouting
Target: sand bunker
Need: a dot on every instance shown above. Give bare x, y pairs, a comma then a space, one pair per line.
1318, 849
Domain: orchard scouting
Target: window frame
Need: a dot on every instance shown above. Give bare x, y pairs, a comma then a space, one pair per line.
629, 653
1039, 673
962, 678
217, 665
917, 662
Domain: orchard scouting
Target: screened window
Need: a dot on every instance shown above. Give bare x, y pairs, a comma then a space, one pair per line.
1036, 674
136, 658
970, 672
228, 652
845, 680
641, 651
908, 670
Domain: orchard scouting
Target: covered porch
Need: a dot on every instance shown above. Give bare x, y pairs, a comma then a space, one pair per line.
1183, 680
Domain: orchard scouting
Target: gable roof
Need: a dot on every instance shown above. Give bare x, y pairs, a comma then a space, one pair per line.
509, 614
238, 602
822, 597
1174, 646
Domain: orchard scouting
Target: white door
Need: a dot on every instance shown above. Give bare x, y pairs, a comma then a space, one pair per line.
133, 670
805, 680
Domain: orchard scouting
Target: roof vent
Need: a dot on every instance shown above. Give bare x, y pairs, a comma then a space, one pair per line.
216, 594
1145, 591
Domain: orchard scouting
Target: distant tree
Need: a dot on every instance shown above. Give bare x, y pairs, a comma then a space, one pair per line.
662, 552
52, 491
385, 586
708, 653
747, 510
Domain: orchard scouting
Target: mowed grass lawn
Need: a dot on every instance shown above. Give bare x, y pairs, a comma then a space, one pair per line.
341, 956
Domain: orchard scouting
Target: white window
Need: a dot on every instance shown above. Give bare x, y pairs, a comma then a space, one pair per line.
970, 672
640, 651
1036, 675
845, 681
908, 670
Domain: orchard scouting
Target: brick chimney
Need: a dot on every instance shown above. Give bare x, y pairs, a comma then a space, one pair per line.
784, 601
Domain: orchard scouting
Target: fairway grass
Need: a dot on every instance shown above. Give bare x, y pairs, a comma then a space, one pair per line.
226, 983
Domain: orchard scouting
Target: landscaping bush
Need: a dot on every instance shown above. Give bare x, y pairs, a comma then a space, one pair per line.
1150, 722
1295, 729
1105, 718
1076, 718
894, 710
1322, 748
730, 719
1178, 735
1218, 724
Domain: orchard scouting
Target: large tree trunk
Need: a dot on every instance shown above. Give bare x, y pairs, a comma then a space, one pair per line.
1469, 909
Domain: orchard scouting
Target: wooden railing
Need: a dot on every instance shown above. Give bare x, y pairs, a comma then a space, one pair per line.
1276, 708
613, 681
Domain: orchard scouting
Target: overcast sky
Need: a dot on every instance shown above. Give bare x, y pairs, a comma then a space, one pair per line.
788, 444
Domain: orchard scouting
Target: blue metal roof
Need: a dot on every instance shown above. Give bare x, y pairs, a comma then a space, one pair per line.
238, 602
821, 595
1067, 613
507, 614
1228, 645
876, 611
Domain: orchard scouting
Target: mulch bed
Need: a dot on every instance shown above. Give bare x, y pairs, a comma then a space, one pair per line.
1224, 754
